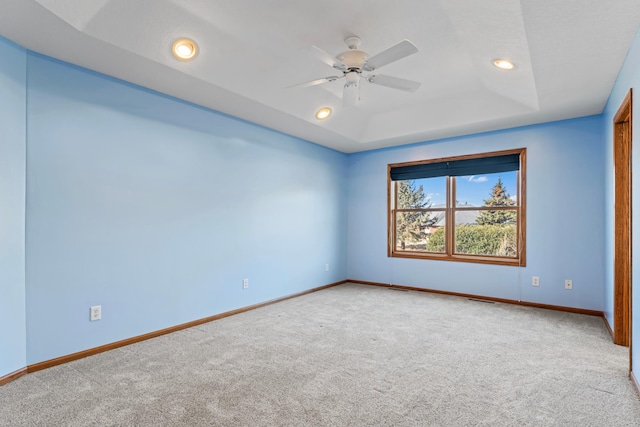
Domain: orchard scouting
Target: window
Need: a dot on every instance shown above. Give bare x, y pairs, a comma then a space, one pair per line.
469, 208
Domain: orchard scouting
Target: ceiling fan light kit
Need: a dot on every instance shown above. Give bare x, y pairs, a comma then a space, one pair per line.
352, 78
354, 61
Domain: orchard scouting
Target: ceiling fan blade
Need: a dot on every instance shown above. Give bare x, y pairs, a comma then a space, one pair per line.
394, 82
316, 82
350, 95
394, 53
328, 59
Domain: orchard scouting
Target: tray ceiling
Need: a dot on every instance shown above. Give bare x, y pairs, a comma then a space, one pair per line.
567, 56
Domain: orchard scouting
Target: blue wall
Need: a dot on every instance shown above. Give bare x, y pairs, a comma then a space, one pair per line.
628, 78
565, 217
12, 207
157, 209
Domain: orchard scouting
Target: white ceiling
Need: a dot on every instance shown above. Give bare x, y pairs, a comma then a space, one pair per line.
567, 55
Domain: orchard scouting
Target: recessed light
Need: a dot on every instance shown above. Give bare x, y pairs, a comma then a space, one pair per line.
503, 64
323, 113
185, 49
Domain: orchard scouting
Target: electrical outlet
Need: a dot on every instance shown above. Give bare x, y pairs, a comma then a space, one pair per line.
535, 281
95, 313
245, 283
568, 284
326, 267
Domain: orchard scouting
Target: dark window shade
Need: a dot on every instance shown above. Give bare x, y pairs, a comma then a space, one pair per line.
481, 165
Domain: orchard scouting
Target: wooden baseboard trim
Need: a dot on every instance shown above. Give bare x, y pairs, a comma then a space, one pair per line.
635, 382
480, 297
606, 323
12, 376
91, 351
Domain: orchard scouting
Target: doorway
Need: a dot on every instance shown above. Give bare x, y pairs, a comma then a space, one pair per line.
622, 256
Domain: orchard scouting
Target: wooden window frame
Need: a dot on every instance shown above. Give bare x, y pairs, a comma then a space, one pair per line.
451, 209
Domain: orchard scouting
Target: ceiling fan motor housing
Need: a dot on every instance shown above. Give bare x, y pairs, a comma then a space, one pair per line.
353, 58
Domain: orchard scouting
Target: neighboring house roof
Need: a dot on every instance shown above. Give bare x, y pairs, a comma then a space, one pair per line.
462, 217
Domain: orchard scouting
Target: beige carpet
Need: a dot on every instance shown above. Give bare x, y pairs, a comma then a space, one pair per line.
352, 355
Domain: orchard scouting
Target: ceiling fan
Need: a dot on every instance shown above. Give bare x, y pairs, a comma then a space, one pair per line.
354, 61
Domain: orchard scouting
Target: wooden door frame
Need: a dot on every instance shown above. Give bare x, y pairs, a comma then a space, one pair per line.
622, 140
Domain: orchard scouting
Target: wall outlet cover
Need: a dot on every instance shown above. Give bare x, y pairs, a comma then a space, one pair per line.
95, 313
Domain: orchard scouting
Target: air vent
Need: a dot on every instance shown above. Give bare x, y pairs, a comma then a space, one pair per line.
481, 300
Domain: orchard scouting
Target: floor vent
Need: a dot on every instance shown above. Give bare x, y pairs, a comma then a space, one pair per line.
398, 289
481, 300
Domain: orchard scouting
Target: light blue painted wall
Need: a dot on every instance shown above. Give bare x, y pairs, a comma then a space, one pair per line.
130, 207
628, 78
157, 209
12, 207
565, 217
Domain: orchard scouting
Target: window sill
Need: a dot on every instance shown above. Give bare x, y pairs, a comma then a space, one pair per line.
513, 262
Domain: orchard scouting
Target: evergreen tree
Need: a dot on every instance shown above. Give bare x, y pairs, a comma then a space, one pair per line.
410, 226
498, 197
